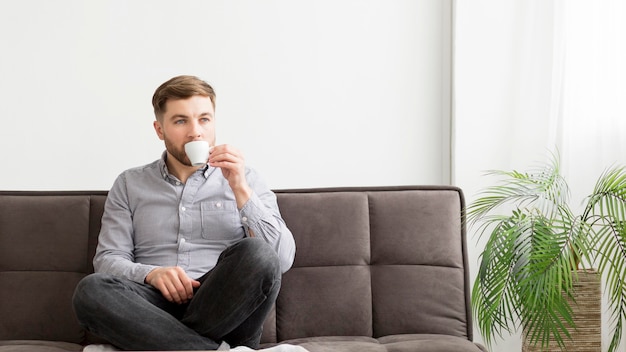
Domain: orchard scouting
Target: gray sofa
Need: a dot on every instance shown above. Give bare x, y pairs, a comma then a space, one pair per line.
376, 269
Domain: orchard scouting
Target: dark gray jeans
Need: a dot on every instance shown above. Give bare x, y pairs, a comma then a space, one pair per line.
230, 305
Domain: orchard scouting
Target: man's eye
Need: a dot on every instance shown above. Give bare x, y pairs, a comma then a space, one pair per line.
179, 122
206, 119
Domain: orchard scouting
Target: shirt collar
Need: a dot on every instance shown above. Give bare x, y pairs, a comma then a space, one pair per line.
206, 169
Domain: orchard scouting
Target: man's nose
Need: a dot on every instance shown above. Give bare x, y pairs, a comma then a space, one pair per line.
195, 130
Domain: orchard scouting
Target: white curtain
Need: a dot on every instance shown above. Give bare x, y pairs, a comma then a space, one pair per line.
592, 117
531, 77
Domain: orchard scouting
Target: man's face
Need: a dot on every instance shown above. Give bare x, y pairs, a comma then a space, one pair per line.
186, 120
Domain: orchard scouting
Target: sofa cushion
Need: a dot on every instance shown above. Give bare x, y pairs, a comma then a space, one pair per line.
42, 309
392, 343
374, 262
417, 265
331, 228
338, 344
325, 301
38, 346
44, 233
47, 241
428, 343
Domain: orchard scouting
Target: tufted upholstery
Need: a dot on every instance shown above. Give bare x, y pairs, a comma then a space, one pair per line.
376, 269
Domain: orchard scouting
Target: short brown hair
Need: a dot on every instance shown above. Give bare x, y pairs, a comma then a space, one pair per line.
180, 87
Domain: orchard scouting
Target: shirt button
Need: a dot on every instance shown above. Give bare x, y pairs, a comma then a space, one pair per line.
182, 240
183, 208
244, 219
177, 183
219, 205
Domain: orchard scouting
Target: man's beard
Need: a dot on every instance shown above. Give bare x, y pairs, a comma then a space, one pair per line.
178, 153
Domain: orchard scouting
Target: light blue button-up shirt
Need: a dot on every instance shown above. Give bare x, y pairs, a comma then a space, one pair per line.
151, 219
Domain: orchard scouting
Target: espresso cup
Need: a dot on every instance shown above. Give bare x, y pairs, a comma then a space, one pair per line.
197, 152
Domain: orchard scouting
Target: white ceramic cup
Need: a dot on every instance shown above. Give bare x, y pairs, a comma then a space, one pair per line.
198, 152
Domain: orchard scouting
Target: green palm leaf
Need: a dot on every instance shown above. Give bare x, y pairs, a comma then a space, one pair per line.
535, 244
606, 210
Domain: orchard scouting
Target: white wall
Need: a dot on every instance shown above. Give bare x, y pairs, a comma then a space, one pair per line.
316, 93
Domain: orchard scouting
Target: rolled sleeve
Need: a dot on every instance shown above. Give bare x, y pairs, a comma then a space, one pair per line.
264, 221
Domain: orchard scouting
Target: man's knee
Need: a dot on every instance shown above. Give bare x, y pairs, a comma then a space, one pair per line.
261, 253
86, 292
257, 255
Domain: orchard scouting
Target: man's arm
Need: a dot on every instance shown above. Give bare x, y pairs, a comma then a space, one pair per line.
231, 162
115, 251
261, 218
257, 204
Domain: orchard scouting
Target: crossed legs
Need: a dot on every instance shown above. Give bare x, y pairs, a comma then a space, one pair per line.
230, 305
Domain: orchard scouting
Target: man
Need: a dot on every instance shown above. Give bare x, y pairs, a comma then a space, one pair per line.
188, 257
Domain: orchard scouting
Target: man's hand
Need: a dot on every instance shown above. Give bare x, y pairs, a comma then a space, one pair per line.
173, 283
231, 162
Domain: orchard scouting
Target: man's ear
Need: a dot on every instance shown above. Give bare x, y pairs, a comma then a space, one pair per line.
159, 129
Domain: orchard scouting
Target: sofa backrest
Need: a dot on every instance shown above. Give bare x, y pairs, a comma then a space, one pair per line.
369, 262
374, 262
47, 241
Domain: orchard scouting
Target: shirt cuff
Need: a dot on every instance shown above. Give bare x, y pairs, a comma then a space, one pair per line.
251, 212
141, 272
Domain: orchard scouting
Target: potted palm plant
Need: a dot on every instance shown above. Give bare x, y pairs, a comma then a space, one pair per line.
536, 247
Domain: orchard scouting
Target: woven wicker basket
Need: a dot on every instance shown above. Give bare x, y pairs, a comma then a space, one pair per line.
587, 316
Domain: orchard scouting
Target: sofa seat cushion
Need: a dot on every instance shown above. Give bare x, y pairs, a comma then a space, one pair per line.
429, 343
392, 343
38, 346
338, 344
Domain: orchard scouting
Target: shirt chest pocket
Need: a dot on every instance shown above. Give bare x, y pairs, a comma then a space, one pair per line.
220, 220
